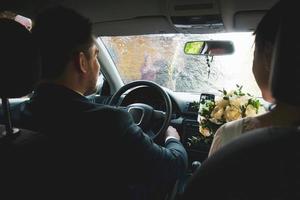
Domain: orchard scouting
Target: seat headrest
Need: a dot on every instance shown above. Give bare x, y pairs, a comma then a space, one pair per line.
261, 164
19, 67
285, 77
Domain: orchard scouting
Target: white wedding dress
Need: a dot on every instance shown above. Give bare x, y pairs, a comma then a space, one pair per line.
231, 130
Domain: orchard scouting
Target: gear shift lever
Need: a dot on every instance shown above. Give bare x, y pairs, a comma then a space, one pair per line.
195, 165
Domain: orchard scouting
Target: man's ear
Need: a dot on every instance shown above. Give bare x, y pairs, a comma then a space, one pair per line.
82, 63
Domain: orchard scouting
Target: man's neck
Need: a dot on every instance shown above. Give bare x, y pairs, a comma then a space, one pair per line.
67, 85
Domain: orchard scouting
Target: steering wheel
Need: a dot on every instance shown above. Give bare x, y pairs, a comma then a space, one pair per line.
144, 115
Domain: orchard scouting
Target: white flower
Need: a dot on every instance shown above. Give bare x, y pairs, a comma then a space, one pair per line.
222, 103
239, 101
217, 112
250, 111
232, 113
230, 93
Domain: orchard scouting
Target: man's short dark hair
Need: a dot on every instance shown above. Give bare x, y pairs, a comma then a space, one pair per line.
61, 33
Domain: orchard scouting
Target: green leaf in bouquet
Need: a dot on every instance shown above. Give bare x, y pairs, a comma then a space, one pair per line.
243, 110
255, 103
195, 105
224, 92
206, 108
226, 98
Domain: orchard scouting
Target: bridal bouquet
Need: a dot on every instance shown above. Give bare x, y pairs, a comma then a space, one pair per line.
229, 106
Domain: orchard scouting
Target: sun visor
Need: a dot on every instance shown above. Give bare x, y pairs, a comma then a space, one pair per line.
135, 26
247, 20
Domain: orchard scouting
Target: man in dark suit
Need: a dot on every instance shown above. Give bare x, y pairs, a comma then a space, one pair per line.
93, 144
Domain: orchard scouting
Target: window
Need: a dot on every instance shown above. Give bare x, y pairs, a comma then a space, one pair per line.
160, 58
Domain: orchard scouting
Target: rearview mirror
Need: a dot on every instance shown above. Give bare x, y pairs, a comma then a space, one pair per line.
209, 47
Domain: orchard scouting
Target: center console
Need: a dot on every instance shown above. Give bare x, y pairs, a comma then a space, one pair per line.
197, 152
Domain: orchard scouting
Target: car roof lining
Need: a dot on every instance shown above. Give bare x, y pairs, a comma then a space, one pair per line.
112, 17
135, 26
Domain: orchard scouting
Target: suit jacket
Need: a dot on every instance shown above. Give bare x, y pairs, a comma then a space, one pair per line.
94, 149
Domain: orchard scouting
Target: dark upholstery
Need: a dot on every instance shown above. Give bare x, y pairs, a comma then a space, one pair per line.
286, 58
263, 164
22, 152
24, 160
19, 70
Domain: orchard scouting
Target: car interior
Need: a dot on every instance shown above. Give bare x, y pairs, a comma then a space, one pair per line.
169, 55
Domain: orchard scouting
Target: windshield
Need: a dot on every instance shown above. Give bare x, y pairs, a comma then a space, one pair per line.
160, 58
